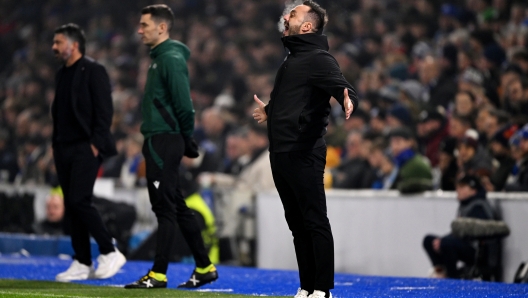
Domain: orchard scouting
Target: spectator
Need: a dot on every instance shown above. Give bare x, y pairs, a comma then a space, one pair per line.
516, 98
444, 252
351, 173
52, 224
440, 84
472, 158
499, 146
447, 164
458, 125
382, 163
434, 130
414, 174
465, 105
519, 174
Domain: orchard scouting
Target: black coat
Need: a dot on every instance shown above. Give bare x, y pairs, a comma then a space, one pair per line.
300, 101
92, 104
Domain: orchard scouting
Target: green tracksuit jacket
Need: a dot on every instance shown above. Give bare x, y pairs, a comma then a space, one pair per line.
167, 105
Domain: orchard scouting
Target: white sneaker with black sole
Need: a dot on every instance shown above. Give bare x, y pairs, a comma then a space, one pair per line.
301, 293
77, 271
319, 294
109, 264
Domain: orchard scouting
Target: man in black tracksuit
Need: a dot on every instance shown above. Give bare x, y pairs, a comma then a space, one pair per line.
297, 116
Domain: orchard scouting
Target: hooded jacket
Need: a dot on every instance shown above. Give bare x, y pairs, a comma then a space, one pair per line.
299, 104
167, 105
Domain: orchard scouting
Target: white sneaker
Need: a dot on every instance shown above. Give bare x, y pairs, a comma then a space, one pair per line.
109, 264
319, 294
77, 271
301, 293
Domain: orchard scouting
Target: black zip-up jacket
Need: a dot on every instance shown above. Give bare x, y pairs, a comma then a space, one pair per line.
299, 104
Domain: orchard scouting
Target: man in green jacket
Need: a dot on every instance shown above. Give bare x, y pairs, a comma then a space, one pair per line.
168, 124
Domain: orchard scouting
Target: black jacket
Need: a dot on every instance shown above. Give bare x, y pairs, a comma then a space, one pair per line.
476, 206
92, 104
300, 101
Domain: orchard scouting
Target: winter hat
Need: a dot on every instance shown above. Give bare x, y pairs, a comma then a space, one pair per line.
451, 10
472, 76
421, 49
433, 114
448, 146
450, 52
470, 138
504, 135
401, 113
521, 134
402, 132
471, 181
413, 89
494, 53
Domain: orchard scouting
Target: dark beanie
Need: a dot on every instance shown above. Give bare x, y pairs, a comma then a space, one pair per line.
401, 113
503, 135
495, 54
450, 52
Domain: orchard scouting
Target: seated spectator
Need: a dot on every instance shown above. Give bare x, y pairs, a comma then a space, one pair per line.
518, 180
382, 163
503, 161
516, 99
444, 252
458, 125
434, 129
52, 224
351, 173
399, 116
130, 170
414, 174
465, 105
472, 158
447, 164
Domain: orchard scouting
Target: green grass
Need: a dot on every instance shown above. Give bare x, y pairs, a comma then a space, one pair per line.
28, 288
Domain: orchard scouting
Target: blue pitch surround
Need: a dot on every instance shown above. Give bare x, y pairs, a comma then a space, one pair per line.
259, 282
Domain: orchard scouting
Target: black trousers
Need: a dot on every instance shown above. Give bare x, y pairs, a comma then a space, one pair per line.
77, 169
163, 154
452, 249
298, 177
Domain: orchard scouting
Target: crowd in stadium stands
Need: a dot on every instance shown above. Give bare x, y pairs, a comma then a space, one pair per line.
443, 87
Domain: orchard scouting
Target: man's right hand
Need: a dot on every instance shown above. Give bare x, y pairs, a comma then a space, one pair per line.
259, 113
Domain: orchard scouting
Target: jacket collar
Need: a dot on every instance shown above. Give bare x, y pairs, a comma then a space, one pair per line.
161, 48
305, 42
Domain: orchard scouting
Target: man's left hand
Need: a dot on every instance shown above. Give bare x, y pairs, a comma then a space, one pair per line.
94, 150
347, 104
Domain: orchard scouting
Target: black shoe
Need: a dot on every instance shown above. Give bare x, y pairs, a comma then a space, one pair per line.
147, 282
198, 280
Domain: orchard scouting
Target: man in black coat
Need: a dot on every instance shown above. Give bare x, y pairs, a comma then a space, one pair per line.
297, 116
82, 113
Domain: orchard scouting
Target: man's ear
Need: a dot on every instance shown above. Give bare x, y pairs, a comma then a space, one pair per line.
162, 28
306, 27
75, 45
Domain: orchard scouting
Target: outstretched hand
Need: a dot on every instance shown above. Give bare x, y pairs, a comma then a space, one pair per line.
259, 113
347, 104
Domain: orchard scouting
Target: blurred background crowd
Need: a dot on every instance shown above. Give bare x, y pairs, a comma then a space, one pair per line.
443, 87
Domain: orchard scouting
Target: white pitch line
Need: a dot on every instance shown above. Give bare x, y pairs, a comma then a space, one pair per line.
43, 295
215, 290
412, 288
